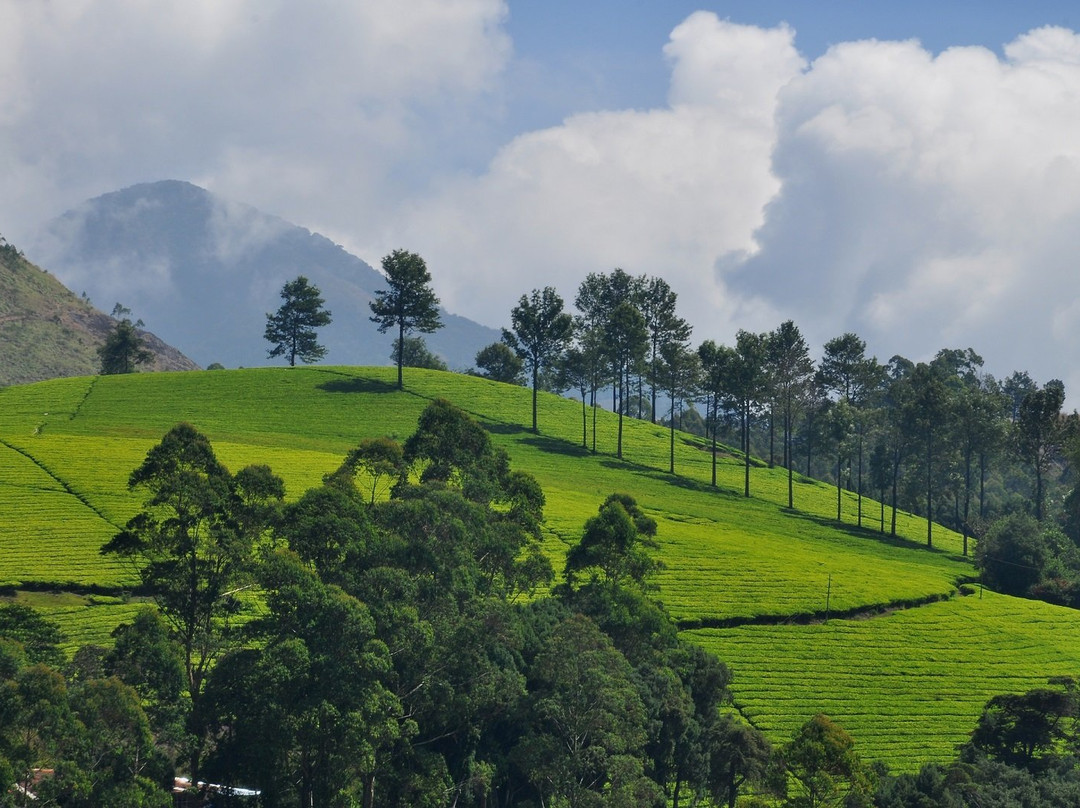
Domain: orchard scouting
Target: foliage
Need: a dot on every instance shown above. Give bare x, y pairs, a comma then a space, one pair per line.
123, 350
615, 544
416, 354
291, 329
408, 302
1012, 555
539, 332
500, 364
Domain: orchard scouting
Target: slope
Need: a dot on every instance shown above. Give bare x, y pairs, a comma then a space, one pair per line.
46, 331
752, 580
203, 272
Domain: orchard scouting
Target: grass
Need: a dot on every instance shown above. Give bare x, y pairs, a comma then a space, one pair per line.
908, 685
68, 446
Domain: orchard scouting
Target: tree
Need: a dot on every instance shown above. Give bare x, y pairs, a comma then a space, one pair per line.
500, 364
586, 723
539, 332
663, 325
748, 383
1012, 554
291, 330
192, 548
381, 459
1039, 434
679, 372
615, 544
924, 414
626, 341
717, 364
791, 373
822, 762
124, 350
415, 354
408, 303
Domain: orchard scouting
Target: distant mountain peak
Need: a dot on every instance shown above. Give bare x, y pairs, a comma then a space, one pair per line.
203, 272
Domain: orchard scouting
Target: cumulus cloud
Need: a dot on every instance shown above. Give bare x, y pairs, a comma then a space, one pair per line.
930, 201
308, 109
669, 191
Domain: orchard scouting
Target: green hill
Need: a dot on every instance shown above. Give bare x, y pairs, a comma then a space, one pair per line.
48, 332
749, 579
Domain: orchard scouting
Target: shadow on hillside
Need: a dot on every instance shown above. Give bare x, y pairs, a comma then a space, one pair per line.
556, 446
357, 385
502, 428
873, 534
676, 480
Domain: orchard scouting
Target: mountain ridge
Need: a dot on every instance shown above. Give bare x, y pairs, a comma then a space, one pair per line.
203, 272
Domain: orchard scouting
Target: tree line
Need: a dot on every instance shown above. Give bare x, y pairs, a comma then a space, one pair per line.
942, 439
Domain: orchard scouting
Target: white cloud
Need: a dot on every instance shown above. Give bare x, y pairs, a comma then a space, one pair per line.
931, 202
666, 192
308, 109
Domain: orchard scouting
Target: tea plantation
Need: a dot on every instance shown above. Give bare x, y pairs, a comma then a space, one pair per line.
747, 578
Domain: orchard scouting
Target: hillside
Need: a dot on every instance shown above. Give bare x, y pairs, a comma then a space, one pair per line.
46, 331
903, 662
203, 273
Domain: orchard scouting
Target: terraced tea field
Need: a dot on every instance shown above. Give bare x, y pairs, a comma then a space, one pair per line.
68, 446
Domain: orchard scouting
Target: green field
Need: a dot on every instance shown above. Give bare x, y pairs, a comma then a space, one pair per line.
68, 446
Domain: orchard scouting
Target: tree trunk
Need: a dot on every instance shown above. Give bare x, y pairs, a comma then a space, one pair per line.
535, 384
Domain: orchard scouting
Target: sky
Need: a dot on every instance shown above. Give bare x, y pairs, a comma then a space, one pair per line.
909, 172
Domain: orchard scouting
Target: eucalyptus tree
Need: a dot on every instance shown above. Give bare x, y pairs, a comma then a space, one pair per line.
680, 374
408, 303
925, 417
598, 296
791, 373
718, 364
895, 435
291, 329
748, 383
978, 417
625, 339
539, 332
855, 379
193, 548
1039, 435
657, 304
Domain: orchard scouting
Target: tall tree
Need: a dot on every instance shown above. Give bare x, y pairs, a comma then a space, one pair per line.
291, 329
664, 326
539, 332
679, 373
925, 418
408, 303
717, 365
748, 385
625, 338
1039, 434
792, 372
855, 379
192, 547
124, 350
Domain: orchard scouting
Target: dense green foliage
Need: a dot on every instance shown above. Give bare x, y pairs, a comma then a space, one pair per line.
407, 303
291, 329
727, 560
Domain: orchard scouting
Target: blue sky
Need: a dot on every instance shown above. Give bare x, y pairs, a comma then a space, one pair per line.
907, 171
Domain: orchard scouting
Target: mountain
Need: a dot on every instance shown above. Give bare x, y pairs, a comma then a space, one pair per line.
46, 331
203, 273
